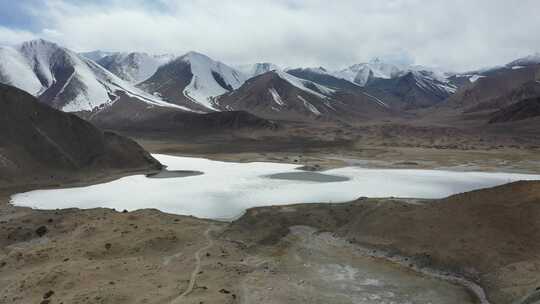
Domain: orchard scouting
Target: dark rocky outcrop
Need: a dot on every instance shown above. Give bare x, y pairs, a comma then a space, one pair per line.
524, 109
38, 141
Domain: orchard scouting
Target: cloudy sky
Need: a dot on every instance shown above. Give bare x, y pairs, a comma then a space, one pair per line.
456, 35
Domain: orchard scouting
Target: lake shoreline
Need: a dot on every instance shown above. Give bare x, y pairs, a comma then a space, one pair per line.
226, 189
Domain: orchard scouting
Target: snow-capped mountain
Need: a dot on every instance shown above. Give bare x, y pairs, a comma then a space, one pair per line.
525, 61
256, 69
63, 79
193, 80
280, 95
134, 67
471, 77
323, 77
414, 86
413, 89
276, 94
495, 88
362, 73
97, 55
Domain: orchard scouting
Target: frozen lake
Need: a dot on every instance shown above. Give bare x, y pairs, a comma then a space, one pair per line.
225, 189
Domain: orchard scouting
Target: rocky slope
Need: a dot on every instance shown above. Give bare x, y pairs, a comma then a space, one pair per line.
125, 115
401, 89
279, 95
38, 142
521, 110
496, 88
489, 236
414, 89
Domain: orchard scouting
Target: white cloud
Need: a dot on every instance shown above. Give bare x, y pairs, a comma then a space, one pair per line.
452, 34
9, 36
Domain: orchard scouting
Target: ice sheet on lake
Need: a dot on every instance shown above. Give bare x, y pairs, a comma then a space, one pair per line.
226, 189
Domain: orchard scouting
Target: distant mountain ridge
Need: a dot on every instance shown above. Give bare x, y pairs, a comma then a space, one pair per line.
196, 83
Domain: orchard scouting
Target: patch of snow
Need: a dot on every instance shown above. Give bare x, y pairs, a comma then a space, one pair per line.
203, 86
377, 100
430, 81
276, 97
474, 78
324, 92
309, 106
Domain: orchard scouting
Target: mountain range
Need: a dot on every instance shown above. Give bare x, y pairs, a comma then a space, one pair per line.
64, 79
99, 82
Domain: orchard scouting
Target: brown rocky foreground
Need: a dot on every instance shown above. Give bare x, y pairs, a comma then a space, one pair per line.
490, 237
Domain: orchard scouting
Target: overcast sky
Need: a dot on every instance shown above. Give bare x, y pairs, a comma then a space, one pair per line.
455, 35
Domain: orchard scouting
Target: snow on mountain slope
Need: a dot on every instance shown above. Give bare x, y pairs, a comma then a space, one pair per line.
64, 79
317, 70
17, 71
256, 69
40, 56
115, 85
134, 67
309, 105
305, 85
361, 73
527, 60
210, 79
278, 95
431, 81
323, 77
97, 55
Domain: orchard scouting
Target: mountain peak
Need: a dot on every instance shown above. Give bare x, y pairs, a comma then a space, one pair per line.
64, 79
256, 69
193, 55
133, 67
38, 43
527, 60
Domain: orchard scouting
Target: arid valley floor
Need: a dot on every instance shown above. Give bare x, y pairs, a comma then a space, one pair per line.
288, 254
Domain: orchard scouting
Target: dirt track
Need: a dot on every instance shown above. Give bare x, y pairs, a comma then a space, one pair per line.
197, 267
